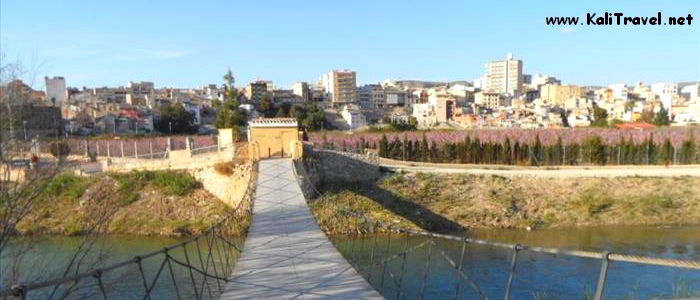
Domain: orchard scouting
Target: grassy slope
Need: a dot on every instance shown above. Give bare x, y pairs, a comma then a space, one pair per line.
434, 201
163, 202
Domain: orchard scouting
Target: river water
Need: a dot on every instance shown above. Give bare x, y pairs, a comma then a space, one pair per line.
538, 276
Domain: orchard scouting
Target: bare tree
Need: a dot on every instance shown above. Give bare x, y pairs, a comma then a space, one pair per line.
22, 186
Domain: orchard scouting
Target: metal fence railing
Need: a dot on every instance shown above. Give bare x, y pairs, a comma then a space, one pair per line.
384, 264
197, 268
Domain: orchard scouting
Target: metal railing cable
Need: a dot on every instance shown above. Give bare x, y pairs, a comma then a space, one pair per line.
372, 225
215, 251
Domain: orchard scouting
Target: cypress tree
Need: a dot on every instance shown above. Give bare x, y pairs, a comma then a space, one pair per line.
557, 158
505, 152
666, 152
383, 145
688, 151
424, 150
434, 153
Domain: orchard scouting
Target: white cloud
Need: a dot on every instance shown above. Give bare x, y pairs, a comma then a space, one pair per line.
568, 29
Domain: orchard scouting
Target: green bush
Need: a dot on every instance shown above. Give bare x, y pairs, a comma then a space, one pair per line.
66, 185
172, 183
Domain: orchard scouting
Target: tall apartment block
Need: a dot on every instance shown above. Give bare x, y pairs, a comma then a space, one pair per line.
56, 89
505, 76
256, 90
340, 86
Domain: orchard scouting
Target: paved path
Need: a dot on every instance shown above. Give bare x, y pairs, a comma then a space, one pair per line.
554, 171
286, 255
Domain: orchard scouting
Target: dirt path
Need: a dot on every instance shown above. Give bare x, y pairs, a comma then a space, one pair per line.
559, 171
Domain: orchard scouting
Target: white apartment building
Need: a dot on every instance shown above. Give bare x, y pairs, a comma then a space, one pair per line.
340, 86
302, 90
539, 80
619, 91
663, 88
424, 114
691, 92
56, 89
353, 117
505, 76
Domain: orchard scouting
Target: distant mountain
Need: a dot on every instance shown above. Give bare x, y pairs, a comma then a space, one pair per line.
419, 84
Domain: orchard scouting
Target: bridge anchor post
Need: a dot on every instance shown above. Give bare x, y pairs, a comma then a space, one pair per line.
600, 287
513, 263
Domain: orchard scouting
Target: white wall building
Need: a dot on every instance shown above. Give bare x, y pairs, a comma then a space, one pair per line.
505, 76
619, 91
663, 88
353, 117
56, 89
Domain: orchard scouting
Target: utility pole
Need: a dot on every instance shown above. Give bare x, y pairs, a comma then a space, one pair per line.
24, 126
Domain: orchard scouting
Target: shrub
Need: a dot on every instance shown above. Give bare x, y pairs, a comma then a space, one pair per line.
66, 185
59, 149
172, 183
225, 168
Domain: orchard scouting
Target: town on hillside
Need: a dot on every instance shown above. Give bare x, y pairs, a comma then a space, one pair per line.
503, 97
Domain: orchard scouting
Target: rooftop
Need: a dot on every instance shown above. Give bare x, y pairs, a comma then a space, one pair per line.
274, 122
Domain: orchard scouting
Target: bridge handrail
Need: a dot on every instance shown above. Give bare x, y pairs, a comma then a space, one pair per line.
20, 290
605, 257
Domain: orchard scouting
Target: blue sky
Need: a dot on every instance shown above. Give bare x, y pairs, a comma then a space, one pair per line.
191, 43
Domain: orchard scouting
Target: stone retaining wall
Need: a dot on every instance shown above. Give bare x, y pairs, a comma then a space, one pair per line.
228, 188
336, 166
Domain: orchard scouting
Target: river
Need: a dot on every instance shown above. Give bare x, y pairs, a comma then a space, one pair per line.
538, 276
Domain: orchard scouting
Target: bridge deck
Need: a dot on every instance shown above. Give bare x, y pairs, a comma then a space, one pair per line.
286, 255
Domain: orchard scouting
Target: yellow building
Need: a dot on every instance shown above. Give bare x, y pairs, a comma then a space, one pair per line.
274, 137
558, 94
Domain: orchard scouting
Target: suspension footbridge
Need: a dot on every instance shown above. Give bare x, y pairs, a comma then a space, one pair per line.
270, 247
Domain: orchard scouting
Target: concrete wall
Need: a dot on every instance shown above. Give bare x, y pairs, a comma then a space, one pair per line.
180, 159
336, 166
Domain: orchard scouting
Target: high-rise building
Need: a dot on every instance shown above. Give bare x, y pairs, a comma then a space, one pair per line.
56, 89
504, 76
256, 90
340, 86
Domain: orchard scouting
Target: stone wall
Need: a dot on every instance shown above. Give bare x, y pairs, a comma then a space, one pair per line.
228, 188
336, 166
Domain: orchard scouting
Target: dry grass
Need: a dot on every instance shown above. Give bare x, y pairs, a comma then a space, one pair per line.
162, 203
528, 202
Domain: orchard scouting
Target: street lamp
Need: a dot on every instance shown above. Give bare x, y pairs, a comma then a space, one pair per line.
170, 127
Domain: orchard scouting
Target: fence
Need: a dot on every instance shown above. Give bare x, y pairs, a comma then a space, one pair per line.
385, 266
197, 268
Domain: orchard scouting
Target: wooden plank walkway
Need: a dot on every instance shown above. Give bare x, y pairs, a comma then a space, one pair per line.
286, 255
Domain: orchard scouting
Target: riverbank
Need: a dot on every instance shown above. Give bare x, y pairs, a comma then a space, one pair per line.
451, 202
547, 171
166, 203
